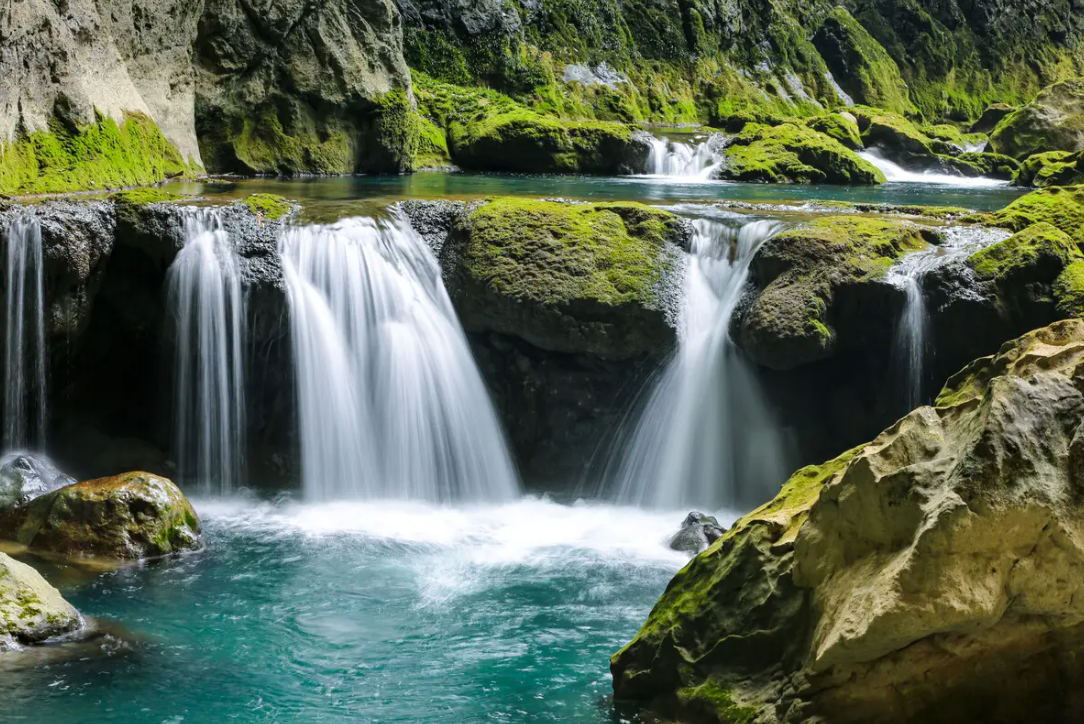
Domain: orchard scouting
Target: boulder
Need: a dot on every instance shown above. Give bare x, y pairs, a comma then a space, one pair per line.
841, 126
31, 611
791, 317
592, 279
931, 575
1053, 168
1062, 207
25, 476
126, 517
991, 116
792, 153
698, 531
1054, 121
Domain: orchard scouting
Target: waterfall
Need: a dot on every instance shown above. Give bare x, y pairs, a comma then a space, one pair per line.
705, 436
912, 329
24, 336
391, 402
671, 158
204, 297
894, 173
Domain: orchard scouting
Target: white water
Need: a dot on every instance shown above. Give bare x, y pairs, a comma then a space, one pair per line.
24, 336
683, 160
912, 329
705, 437
895, 173
391, 402
205, 299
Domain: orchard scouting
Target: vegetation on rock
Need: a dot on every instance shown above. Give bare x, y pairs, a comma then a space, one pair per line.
1053, 168
794, 153
31, 610
1062, 207
1054, 121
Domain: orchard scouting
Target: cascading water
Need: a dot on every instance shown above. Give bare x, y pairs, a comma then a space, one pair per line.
705, 437
24, 336
675, 159
894, 173
206, 301
391, 402
912, 328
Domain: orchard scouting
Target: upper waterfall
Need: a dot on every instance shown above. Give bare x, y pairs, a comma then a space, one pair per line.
391, 402
692, 160
705, 436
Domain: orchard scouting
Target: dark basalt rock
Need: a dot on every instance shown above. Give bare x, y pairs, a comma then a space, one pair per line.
698, 531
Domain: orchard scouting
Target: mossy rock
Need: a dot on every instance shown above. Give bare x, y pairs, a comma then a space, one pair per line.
432, 146
268, 207
791, 153
991, 165
843, 128
1061, 206
991, 116
1038, 254
100, 156
145, 195
525, 141
860, 64
1054, 121
1069, 290
126, 517
31, 610
1053, 168
578, 278
798, 273
897, 137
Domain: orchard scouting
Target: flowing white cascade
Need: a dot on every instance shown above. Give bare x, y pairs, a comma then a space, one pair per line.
894, 173
705, 437
675, 159
24, 336
913, 326
391, 402
206, 301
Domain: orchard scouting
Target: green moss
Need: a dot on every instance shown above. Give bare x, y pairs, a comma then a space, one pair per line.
1054, 121
1054, 168
1063, 207
716, 700
1025, 250
793, 153
1069, 290
608, 253
993, 165
103, 155
145, 195
860, 64
892, 132
839, 127
262, 145
432, 146
270, 207
391, 139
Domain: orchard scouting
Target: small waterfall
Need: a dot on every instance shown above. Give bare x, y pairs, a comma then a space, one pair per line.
705, 437
894, 173
205, 299
911, 352
391, 402
671, 158
24, 336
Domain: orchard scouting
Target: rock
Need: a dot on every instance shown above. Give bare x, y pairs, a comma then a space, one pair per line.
928, 576
1054, 121
791, 153
792, 316
1054, 168
126, 517
525, 141
991, 165
25, 476
1060, 207
990, 117
31, 611
843, 127
861, 65
698, 531
565, 277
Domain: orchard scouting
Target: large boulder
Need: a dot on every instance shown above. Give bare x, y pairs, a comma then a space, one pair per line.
793, 153
929, 576
1053, 168
126, 517
1054, 121
25, 476
568, 277
1062, 207
793, 317
31, 611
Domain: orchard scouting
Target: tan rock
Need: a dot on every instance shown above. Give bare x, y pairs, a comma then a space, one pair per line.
31, 610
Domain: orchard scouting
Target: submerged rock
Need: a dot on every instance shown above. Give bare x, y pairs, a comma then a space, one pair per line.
25, 476
698, 531
125, 517
31, 611
1054, 121
929, 576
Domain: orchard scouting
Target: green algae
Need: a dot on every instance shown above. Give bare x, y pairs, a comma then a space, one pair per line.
270, 207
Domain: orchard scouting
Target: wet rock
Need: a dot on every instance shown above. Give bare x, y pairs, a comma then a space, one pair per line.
991, 116
126, 517
31, 611
25, 476
698, 531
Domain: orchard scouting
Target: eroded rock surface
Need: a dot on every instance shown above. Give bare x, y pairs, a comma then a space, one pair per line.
31, 611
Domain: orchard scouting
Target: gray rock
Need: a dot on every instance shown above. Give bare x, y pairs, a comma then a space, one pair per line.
698, 531
25, 476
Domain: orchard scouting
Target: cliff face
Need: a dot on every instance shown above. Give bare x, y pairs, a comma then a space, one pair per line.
256, 87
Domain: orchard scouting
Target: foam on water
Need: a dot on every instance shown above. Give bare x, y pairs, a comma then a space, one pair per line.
692, 161
894, 173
